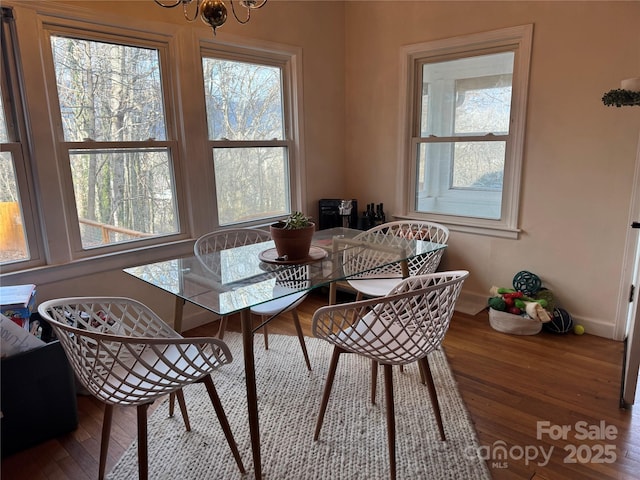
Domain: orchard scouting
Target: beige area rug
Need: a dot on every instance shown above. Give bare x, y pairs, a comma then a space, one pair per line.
352, 442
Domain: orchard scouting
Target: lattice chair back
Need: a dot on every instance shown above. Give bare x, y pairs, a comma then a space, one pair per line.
425, 231
399, 328
124, 354
210, 243
293, 278
371, 256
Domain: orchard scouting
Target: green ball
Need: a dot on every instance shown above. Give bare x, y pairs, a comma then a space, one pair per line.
527, 282
546, 295
578, 329
497, 303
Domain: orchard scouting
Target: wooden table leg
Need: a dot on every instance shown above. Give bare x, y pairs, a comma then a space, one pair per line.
177, 314
177, 326
404, 267
252, 394
332, 293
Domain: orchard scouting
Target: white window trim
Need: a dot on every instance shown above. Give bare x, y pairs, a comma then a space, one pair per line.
52, 185
519, 37
156, 42
289, 58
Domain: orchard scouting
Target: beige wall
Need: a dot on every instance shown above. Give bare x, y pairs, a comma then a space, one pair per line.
579, 155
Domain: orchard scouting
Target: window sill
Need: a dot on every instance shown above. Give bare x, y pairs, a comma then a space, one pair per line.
486, 231
498, 231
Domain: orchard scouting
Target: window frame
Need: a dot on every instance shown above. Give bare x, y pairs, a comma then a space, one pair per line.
517, 39
12, 95
121, 36
289, 60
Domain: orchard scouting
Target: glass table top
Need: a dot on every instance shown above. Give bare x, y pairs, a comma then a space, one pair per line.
237, 278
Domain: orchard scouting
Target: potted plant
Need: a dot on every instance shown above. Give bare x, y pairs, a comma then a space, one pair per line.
292, 236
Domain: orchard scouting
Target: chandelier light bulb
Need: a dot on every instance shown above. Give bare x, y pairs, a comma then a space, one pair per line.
214, 12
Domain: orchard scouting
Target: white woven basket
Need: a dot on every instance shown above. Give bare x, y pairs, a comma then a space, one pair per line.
514, 324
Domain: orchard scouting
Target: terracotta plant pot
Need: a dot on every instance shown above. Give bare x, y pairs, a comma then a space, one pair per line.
292, 244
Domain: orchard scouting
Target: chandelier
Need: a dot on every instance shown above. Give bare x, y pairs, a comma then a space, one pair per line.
214, 12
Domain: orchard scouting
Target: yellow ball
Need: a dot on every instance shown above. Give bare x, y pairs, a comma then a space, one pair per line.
578, 329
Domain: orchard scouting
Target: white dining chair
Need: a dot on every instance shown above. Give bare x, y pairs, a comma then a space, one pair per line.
124, 354
222, 239
402, 327
290, 278
378, 281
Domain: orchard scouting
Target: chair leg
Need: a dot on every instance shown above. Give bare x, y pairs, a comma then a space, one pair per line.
222, 328
391, 420
172, 403
222, 418
433, 395
296, 322
265, 333
327, 389
104, 441
374, 380
423, 378
183, 409
143, 451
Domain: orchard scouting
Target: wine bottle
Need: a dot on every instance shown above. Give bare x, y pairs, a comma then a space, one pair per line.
366, 219
372, 215
378, 217
383, 219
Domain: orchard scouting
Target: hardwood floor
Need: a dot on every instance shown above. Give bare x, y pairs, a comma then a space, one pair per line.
520, 392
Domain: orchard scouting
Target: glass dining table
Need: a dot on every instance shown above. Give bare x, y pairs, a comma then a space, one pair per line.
234, 280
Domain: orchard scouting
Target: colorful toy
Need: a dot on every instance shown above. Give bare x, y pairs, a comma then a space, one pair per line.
560, 323
497, 303
527, 282
530, 300
517, 303
547, 295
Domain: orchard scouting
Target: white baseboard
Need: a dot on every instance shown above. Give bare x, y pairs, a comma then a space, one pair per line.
596, 327
471, 303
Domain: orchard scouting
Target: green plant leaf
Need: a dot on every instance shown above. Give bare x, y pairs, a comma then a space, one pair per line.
620, 98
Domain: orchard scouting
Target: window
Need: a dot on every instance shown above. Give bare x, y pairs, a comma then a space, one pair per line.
466, 107
114, 148
247, 118
18, 245
112, 113
14, 245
